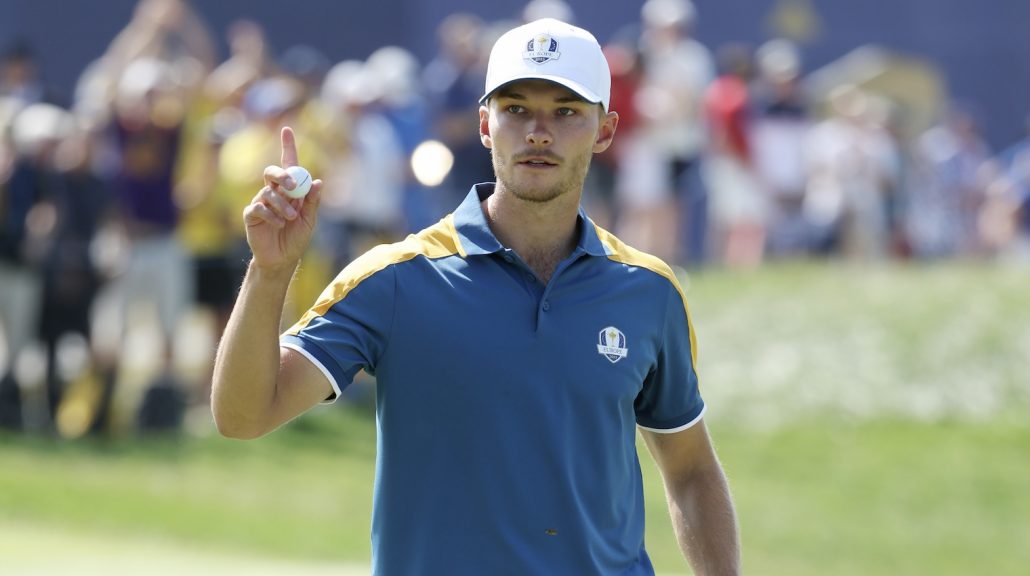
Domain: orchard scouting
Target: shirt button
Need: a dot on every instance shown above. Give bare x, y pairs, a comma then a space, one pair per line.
507, 258
547, 305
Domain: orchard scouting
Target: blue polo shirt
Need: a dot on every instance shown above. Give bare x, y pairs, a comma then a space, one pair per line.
507, 409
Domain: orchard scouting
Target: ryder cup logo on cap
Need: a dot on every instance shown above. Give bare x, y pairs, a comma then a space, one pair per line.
541, 49
552, 50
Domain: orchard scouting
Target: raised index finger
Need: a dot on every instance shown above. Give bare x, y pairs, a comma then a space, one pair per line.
289, 147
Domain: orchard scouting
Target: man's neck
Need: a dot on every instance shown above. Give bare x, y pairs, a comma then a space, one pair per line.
541, 233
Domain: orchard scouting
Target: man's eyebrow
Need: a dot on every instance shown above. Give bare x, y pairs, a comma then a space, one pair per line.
570, 99
510, 95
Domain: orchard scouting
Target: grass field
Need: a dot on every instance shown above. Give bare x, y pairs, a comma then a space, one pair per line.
871, 421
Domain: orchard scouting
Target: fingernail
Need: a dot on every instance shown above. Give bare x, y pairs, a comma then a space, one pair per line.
288, 183
290, 212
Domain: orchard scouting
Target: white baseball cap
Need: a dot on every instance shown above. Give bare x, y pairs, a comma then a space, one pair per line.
553, 50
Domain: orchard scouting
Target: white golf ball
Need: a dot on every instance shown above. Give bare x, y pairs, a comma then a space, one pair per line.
301, 179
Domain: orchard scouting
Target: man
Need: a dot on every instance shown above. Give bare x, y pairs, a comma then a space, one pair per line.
516, 347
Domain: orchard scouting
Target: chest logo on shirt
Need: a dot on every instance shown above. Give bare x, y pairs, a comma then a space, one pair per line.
611, 343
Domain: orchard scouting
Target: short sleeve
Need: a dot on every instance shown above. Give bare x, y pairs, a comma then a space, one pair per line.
670, 400
348, 327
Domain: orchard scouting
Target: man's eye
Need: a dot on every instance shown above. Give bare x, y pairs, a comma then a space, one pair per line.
515, 109
566, 111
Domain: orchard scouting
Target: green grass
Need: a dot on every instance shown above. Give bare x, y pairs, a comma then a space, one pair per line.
871, 421
923, 343
883, 497
304, 492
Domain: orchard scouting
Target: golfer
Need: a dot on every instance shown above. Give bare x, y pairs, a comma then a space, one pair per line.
517, 349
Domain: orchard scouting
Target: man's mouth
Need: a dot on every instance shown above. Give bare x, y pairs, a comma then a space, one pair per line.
537, 161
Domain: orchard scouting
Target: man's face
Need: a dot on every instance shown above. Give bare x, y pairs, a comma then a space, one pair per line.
542, 136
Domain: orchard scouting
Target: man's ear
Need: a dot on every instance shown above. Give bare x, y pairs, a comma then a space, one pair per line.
606, 133
484, 128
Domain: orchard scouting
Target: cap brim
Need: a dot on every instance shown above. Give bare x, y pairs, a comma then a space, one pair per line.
576, 87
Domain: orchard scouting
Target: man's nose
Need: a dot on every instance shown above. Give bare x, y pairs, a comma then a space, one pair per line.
539, 133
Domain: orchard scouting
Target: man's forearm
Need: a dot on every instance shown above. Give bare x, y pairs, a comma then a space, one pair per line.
706, 523
247, 361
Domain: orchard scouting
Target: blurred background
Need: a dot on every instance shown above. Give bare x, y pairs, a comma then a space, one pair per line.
843, 188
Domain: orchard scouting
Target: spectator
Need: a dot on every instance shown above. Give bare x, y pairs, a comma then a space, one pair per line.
364, 187
779, 127
19, 76
600, 198
402, 102
677, 69
1004, 221
949, 190
738, 205
852, 163
147, 132
150, 76
454, 80
208, 217
28, 185
72, 278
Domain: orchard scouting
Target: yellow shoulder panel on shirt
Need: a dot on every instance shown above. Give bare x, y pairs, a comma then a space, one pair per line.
438, 241
621, 252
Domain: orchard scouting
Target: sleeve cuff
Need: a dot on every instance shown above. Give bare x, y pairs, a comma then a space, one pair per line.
680, 428
318, 364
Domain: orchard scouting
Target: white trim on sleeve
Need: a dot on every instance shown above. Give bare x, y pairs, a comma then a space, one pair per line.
323, 369
678, 428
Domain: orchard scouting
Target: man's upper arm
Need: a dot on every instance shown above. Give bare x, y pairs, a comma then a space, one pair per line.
300, 386
680, 455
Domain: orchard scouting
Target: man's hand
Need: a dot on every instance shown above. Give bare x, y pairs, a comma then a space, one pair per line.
279, 228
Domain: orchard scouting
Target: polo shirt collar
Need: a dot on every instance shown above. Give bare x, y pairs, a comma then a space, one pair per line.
477, 238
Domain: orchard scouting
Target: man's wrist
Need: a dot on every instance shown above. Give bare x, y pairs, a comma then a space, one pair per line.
278, 274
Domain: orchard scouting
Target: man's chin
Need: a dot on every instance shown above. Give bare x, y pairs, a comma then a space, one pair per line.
536, 195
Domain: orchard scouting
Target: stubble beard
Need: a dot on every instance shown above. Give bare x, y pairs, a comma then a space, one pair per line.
572, 183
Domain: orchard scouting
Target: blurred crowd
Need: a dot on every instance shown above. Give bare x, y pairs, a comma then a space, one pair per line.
121, 206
